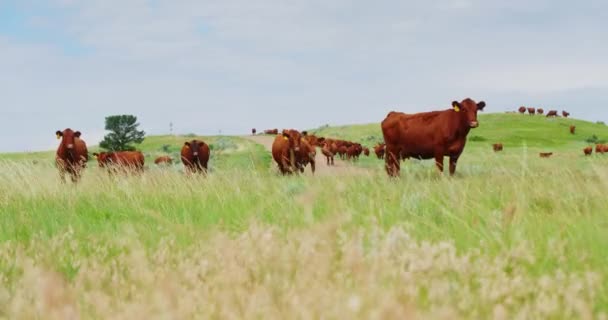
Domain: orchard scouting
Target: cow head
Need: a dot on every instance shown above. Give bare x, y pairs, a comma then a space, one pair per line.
468, 108
103, 158
195, 147
68, 137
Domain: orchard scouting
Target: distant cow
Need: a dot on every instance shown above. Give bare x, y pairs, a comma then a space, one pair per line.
285, 148
195, 156
497, 147
272, 131
572, 129
531, 111
522, 109
429, 135
545, 154
72, 154
600, 148
379, 150
124, 161
326, 150
253, 131
565, 113
552, 113
163, 160
588, 151
366, 151
540, 111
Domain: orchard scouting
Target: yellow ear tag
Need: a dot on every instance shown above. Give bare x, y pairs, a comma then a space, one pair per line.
285, 138
456, 108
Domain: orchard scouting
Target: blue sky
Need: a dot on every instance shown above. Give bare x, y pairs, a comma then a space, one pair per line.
231, 65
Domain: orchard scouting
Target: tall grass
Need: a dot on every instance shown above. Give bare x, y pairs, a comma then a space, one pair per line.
511, 236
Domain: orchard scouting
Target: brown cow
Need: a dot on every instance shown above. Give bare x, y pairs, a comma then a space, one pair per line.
379, 150
545, 154
124, 161
253, 131
366, 151
306, 156
163, 160
572, 129
531, 111
429, 135
600, 148
540, 111
552, 113
284, 150
326, 150
588, 151
565, 113
272, 131
522, 110
72, 154
195, 156
497, 147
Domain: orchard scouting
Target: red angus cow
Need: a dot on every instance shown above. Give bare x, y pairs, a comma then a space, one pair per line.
366, 151
163, 160
72, 154
565, 113
124, 161
552, 113
195, 156
379, 150
429, 135
284, 150
531, 111
588, 151
600, 148
272, 131
522, 110
572, 129
497, 147
540, 111
326, 150
306, 156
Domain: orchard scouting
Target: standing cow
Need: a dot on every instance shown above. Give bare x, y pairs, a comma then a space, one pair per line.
121, 161
588, 151
552, 113
429, 135
285, 148
72, 154
379, 150
531, 111
253, 131
540, 111
522, 109
195, 156
565, 113
572, 129
326, 151
306, 155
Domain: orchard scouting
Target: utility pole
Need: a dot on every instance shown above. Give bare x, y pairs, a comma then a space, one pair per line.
171, 128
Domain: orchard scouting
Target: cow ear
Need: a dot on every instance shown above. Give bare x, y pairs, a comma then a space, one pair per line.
456, 105
481, 105
59, 134
304, 133
77, 134
187, 144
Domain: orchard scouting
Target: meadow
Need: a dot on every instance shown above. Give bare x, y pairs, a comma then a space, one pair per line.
511, 236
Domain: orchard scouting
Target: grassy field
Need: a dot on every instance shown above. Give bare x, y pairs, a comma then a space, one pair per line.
510, 236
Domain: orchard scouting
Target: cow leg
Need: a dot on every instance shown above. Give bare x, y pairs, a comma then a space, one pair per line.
439, 162
312, 166
392, 163
453, 162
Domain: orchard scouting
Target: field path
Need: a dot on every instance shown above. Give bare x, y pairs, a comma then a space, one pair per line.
322, 169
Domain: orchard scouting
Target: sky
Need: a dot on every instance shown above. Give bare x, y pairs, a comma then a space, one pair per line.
211, 66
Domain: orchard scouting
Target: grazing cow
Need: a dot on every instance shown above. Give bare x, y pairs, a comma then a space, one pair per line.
588, 151
600, 148
366, 151
497, 147
124, 161
195, 156
545, 154
379, 150
540, 111
253, 131
272, 131
429, 135
565, 113
531, 111
326, 150
285, 149
572, 129
522, 109
163, 160
72, 154
552, 113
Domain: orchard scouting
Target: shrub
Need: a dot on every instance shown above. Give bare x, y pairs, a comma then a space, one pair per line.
595, 140
477, 138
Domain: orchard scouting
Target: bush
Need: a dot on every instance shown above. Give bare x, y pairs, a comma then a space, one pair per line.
477, 138
190, 135
601, 123
166, 148
222, 144
595, 140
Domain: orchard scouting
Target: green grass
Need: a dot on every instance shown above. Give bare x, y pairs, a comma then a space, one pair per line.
510, 234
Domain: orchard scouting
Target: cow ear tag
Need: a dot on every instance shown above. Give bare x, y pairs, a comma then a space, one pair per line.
285, 138
456, 108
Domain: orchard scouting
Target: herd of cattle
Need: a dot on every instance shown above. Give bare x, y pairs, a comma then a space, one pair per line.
426, 135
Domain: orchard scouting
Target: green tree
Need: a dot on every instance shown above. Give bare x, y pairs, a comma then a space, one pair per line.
123, 133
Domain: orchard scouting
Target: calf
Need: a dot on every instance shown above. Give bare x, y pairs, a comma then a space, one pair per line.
497, 147
123, 161
588, 151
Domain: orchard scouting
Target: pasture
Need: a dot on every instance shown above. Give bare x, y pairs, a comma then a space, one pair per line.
512, 235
